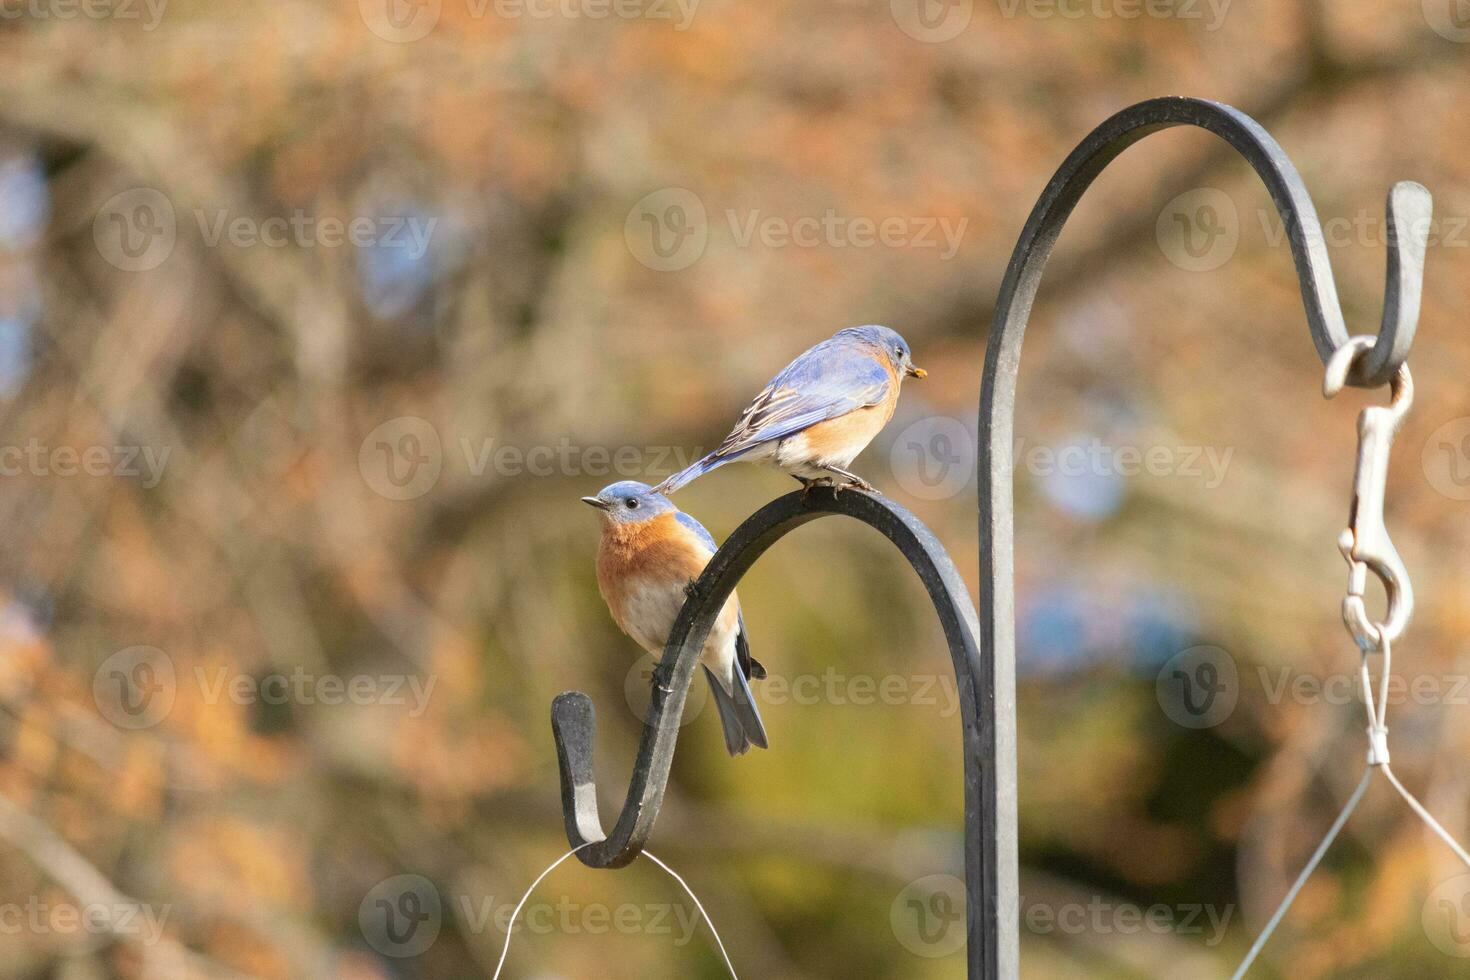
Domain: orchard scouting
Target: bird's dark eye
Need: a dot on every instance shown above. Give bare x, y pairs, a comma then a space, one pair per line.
632, 503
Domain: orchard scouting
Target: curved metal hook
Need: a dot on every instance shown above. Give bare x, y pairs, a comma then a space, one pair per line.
573, 719
1409, 209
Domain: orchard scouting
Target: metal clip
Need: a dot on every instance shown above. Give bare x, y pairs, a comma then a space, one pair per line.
1365, 542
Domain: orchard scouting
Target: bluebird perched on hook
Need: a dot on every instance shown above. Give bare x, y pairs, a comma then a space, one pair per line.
650, 553
823, 409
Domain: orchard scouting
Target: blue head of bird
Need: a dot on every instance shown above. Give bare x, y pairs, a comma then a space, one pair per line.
629, 502
890, 344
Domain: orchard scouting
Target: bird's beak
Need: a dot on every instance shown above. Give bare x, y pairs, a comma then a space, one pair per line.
595, 502
916, 372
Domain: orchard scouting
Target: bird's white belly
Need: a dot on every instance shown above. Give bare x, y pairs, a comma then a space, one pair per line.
650, 611
794, 456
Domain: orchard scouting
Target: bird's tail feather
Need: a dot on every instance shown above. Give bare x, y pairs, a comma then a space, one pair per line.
692, 472
738, 715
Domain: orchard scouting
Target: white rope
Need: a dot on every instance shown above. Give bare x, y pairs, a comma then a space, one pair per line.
510, 926
1377, 709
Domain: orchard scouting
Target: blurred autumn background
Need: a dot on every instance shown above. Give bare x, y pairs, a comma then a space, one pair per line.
318, 316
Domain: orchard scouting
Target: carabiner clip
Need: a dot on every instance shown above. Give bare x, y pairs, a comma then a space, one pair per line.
1365, 542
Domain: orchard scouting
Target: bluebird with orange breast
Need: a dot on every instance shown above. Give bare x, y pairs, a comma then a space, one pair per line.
650, 553
823, 409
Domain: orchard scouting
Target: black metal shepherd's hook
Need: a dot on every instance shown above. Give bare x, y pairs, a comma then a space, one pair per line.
983, 649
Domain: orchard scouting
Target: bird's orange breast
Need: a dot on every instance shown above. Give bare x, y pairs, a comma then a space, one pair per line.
655, 549
658, 554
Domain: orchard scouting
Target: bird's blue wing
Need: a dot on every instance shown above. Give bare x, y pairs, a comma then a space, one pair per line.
688, 521
833, 378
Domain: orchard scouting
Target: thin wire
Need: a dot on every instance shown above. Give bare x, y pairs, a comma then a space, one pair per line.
1377, 709
1301, 880
1434, 825
510, 926
718, 942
